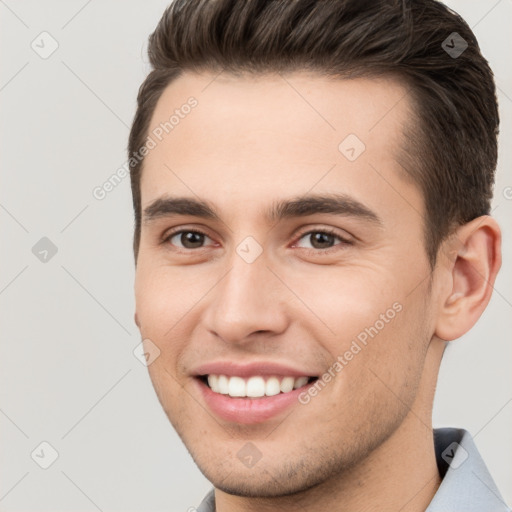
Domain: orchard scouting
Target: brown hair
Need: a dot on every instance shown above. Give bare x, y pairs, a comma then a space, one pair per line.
451, 151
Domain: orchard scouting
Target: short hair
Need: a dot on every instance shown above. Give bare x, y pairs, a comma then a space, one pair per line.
450, 148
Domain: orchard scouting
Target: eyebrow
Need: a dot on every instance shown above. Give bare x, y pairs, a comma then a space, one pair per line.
301, 206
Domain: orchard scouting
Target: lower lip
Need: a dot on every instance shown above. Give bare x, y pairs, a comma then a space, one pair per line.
248, 410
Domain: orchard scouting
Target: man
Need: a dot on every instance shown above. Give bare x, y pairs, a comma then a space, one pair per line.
312, 185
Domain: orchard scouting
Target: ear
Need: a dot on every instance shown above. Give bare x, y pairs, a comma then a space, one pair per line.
473, 261
136, 318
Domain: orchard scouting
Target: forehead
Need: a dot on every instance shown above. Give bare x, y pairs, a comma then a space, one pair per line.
254, 136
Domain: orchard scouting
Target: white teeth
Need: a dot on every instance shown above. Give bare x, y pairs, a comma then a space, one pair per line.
301, 381
236, 387
213, 382
254, 387
223, 385
272, 387
287, 384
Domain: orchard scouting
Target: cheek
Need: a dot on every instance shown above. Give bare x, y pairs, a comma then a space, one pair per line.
368, 319
346, 302
164, 297
394, 355
159, 308
378, 382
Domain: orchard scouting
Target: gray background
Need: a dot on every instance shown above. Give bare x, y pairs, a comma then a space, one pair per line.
68, 373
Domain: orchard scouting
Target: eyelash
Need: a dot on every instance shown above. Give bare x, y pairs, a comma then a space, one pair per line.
301, 235
325, 231
168, 236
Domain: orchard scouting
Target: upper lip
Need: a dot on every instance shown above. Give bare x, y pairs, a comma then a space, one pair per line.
263, 368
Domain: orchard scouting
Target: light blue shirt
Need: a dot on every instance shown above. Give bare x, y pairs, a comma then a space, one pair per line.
466, 485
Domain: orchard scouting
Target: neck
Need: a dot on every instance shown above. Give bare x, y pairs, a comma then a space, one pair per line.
399, 475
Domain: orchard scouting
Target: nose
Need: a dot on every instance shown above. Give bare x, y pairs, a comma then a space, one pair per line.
248, 301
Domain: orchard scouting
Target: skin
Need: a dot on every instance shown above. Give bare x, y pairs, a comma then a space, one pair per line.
364, 443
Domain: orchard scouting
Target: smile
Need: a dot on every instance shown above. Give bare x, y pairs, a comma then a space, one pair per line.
255, 386
250, 392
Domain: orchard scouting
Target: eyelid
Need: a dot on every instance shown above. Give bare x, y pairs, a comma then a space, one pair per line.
302, 232
328, 230
342, 245
181, 229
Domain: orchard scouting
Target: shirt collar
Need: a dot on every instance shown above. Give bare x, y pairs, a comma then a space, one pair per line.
467, 484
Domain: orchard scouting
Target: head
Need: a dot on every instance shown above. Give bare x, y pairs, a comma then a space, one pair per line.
311, 184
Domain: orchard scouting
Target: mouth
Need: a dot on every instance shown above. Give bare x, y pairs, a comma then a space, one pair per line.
256, 386
251, 392
251, 399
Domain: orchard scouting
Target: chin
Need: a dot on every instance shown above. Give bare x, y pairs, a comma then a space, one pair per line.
263, 485
266, 480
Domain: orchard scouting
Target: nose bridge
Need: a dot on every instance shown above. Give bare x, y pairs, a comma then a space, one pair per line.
245, 301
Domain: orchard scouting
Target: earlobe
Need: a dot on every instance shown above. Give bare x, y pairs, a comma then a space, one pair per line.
472, 270
136, 318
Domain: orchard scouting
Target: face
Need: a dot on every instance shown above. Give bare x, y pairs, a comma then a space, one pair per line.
282, 275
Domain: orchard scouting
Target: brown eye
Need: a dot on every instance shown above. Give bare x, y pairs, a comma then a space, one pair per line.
187, 239
321, 240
